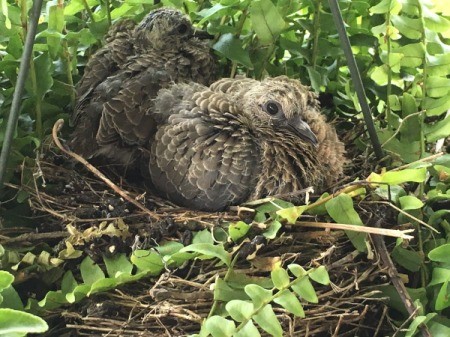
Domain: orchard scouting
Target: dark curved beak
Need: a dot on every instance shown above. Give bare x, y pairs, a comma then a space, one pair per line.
302, 129
202, 35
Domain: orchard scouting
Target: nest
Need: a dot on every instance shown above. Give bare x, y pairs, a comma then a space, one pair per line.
176, 302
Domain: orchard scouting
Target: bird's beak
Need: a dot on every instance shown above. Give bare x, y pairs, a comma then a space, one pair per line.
302, 129
202, 35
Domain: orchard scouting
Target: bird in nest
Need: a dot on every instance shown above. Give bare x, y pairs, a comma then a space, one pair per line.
113, 111
239, 140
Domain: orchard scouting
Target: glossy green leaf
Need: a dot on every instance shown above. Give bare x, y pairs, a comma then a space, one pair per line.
440, 254
118, 264
443, 297
274, 227
385, 6
408, 202
320, 275
238, 230
240, 310
148, 261
90, 271
14, 322
439, 275
438, 130
211, 251
258, 294
291, 214
437, 86
6, 279
290, 302
305, 290
249, 329
398, 177
297, 270
231, 47
267, 321
342, 211
266, 20
280, 278
218, 326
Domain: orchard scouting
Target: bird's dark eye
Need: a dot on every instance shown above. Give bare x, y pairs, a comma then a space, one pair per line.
272, 107
183, 28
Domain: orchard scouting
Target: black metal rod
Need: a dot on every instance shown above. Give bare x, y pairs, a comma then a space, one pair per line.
356, 77
21, 78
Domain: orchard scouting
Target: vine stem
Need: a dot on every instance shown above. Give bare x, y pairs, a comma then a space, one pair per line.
21, 78
389, 70
316, 33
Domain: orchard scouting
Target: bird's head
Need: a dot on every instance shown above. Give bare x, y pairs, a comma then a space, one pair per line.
283, 104
165, 28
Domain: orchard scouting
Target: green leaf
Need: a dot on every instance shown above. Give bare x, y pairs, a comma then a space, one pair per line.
223, 292
399, 177
220, 327
342, 211
249, 329
436, 107
440, 254
231, 47
117, 265
90, 271
411, 28
417, 322
210, 250
408, 202
438, 130
290, 302
414, 54
407, 258
385, 6
297, 270
14, 322
238, 230
320, 275
148, 261
240, 310
443, 297
439, 275
266, 20
258, 294
437, 86
268, 321
305, 289
274, 227
291, 214
280, 278
6, 279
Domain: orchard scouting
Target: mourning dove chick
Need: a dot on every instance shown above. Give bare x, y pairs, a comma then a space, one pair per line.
113, 115
238, 140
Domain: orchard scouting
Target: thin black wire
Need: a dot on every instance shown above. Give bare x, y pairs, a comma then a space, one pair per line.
356, 77
21, 78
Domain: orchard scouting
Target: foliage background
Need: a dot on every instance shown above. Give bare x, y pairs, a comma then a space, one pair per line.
402, 48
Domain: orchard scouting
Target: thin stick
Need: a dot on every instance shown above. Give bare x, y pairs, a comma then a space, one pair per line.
363, 229
58, 125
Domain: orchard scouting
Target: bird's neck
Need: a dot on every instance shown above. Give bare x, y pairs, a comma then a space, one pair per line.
288, 165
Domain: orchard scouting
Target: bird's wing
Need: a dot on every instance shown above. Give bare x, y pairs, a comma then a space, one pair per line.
203, 157
127, 115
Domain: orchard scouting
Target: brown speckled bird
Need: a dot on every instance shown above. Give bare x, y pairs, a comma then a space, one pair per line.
114, 113
238, 140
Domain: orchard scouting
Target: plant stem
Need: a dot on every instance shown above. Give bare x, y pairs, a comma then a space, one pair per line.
38, 100
88, 10
68, 64
108, 12
316, 32
21, 78
225, 278
389, 84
